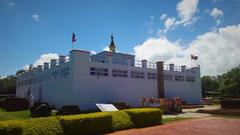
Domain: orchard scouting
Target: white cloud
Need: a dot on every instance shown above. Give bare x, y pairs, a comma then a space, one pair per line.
152, 17
163, 16
106, 48
12, 4
216, 0
26, 67
45, 58
186, 10
169, 23
36, 17
93, 52
157, 48
216, 13
218, 21
218, 50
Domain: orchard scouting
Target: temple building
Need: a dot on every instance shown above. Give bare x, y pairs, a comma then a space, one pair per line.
109, 76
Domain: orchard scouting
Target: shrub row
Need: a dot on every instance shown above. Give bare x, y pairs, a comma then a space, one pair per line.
15, 104
35, 126
144, 117
12, 127
82, 124
86, 124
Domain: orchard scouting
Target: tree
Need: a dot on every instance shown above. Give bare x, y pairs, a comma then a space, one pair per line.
8, 85
19, 72
209, 84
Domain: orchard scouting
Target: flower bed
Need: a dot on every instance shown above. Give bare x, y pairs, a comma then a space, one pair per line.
168, 105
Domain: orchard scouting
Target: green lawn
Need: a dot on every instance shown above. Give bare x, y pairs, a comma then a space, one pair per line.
4, 115
227, 116
168, 120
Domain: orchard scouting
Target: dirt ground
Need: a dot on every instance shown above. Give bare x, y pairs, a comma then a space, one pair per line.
197, 126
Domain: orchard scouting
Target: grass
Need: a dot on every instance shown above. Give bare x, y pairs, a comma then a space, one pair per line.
226, 116
4, 115
168, 120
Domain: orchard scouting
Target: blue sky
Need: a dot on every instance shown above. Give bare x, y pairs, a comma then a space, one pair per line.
30, 28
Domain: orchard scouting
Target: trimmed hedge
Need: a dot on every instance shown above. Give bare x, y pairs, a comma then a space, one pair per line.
15, 104
12, 127
120, 120
36, 126
144, 117
84, 124
42, 126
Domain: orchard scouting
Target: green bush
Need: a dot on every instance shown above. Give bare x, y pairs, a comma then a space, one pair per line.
93, 123
120, 120
143, 117
83, 124
42, 126
15, 104
11, 127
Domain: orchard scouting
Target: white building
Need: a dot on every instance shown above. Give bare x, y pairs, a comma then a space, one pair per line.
84, 79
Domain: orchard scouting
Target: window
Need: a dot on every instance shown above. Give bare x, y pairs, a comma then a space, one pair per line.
99, 71
137, 74
190, 79
152, 76
19, 83
179, 78
30, 81
92, 71
40, 78
119, 73
34, 80
55, 74
64, 72
168, 77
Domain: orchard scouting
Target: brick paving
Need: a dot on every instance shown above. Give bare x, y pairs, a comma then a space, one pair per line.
197, 126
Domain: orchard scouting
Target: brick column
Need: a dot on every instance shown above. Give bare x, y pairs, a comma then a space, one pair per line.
160, 77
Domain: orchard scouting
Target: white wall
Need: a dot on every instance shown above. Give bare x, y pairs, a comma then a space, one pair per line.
188, 91
83, 89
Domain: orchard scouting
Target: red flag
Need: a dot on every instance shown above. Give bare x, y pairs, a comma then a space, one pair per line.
194, 57
74, 38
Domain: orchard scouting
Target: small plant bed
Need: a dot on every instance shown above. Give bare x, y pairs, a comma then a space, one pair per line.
190, 106
227, 116
221, 111
82, 124
169, 120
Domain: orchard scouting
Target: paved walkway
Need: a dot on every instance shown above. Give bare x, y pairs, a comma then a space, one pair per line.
198, 126
191, 113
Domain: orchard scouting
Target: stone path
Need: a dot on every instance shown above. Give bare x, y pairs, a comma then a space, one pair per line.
191, 113
197, 126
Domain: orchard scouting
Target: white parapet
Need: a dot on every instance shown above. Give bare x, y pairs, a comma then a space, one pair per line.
171, 67
183, 68
61, 59
144, 63
53, 63
45, 65
39, 67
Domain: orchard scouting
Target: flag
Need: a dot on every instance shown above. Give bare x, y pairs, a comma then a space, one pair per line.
194, 57
74, 38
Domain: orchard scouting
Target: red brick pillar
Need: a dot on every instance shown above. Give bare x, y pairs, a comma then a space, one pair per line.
160, 77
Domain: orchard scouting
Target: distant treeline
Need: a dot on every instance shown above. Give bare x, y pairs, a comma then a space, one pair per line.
8, 84
227, 84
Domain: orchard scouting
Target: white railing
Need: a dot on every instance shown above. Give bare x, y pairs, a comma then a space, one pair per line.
175, 68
